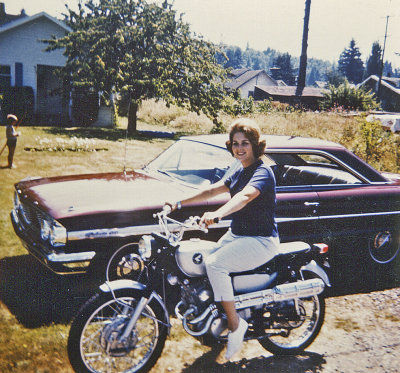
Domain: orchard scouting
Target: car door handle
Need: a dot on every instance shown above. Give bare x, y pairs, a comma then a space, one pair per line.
314, 204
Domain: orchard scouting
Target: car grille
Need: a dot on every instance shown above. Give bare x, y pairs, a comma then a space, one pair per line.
31, 218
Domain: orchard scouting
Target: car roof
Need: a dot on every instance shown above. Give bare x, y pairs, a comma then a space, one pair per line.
273, 141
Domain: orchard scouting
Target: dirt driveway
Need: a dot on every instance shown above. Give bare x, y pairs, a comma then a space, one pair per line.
361, 333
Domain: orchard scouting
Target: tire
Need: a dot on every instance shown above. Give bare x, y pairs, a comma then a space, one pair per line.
300, 333
90, 347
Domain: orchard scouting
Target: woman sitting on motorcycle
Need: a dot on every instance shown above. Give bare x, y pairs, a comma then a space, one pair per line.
253, 236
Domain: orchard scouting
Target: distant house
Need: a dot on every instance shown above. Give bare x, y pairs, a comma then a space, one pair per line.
389, 93
320, 84
25, 63
308, 97
245, 80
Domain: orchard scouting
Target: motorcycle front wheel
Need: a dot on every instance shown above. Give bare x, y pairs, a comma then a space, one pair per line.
295, 332
95, 343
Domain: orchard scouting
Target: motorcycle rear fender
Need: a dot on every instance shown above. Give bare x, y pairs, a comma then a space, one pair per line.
316, 269
116, 285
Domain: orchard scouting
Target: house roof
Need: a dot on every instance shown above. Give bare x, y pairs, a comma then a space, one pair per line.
6, 18
242, 76
291, 91
383, 82
24, 20
237, 72
393, 81
320, 84
281, 82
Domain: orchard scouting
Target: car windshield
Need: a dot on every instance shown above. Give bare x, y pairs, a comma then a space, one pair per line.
194, 163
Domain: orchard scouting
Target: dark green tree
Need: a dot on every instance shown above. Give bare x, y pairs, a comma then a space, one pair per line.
283, 69
141, 50
350, 63
334, 77
373, 65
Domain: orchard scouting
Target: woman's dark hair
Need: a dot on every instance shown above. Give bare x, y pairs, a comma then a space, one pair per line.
251, 130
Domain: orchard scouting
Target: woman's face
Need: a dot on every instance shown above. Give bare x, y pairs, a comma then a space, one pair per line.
242, 149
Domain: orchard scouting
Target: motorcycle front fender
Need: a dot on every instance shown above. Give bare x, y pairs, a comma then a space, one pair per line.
121, 284
316, 269
116, 285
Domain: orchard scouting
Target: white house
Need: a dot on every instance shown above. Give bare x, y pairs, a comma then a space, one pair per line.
245, 80
24, 61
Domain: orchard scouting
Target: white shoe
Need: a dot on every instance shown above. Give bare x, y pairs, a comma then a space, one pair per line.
235, 339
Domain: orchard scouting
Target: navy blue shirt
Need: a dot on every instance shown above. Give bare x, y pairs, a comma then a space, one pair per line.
257, 218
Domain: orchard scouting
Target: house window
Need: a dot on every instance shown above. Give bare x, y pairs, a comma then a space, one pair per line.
250, 94
5, 77
18, 74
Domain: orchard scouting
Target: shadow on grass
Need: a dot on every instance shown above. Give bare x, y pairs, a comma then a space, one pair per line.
110, 134
306, 362
36, 296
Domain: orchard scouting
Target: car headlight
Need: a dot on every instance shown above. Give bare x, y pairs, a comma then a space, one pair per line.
17, 202
53, 231
145, 247
45, 229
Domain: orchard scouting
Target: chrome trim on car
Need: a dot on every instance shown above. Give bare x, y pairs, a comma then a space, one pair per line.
148, 229
71, 258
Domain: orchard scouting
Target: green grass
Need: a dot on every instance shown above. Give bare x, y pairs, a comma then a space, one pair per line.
35, 305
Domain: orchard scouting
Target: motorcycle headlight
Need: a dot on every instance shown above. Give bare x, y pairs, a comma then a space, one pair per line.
145, 247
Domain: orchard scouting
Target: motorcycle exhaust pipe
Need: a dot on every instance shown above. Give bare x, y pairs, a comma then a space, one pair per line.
280, 293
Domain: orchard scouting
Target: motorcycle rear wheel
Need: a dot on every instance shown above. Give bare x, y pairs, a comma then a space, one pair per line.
300, 333
92, 342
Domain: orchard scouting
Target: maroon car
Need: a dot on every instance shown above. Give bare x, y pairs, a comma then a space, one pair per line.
324, 194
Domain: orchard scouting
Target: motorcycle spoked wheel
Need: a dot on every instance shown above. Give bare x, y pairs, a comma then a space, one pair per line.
92, 341
298, 334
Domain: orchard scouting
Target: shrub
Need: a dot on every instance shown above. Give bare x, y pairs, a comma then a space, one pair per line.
346, 97
238, 106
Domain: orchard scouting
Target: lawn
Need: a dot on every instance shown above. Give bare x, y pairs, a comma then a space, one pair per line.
35, 305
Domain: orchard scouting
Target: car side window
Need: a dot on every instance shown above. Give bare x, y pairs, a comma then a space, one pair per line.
296, 169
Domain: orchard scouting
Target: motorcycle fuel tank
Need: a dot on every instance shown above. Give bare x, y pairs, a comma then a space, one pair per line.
191, 254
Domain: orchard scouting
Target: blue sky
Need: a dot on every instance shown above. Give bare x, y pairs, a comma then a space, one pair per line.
277, 24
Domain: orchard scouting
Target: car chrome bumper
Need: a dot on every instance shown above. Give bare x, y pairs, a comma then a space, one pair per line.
59, 262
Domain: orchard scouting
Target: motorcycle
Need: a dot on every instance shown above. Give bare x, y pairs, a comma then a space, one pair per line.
124, 326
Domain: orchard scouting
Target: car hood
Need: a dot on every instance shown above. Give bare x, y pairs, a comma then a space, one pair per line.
71, 196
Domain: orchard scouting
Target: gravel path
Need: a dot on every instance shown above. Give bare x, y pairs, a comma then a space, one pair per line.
361, 333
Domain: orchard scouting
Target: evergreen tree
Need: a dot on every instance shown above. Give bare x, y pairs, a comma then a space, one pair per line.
350, 63
141, 50
373, 65
334, 77
283, 69
388, 69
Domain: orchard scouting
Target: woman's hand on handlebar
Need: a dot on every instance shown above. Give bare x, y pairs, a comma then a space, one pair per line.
210, 218
169, 207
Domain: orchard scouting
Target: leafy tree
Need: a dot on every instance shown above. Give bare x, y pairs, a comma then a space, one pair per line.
141, 50
284, 69
350, 63
373, 65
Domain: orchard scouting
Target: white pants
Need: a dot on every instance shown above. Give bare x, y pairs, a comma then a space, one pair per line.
237, 254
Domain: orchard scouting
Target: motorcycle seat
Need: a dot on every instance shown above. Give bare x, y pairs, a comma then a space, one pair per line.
287, 248
295, 247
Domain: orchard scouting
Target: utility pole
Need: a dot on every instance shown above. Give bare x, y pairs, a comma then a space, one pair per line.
378, 93
301, 80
